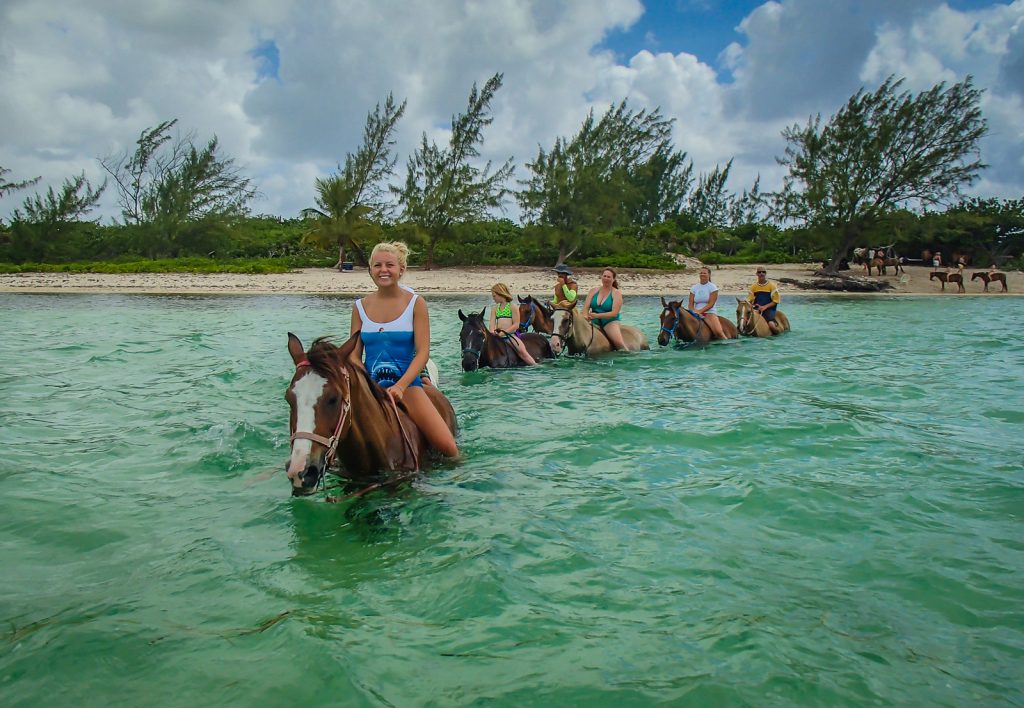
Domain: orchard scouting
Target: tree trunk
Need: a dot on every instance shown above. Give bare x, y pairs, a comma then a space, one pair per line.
340, 265
851, 232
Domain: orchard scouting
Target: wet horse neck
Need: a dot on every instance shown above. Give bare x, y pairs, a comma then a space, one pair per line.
374, 441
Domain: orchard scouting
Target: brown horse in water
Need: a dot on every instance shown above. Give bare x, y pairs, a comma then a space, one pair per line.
752, 323
340, 415
991, 277
575, 335
482, 347
677, 321
535, 313
948, 278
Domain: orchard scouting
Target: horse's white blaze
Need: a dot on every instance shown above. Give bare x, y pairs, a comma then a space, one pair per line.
556, 328
307, 392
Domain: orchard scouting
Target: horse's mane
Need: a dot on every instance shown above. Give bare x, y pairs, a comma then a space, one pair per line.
328, 360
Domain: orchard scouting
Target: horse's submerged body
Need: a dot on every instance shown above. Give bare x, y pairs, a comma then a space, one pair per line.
575, 335
340, 415
677, 321
989, 277
483, 348
751, 323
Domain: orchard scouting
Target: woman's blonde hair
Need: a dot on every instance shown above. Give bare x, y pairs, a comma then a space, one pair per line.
396, 248
502, 291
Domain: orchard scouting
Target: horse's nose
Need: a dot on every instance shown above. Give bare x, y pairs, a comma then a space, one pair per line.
662, 339
305, 482
469, 363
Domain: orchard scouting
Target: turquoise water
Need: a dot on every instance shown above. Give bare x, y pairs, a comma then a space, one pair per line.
833, 517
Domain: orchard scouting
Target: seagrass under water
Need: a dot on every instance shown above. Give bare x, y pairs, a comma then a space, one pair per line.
831, 517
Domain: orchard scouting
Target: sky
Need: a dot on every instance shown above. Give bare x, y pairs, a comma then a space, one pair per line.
286, 85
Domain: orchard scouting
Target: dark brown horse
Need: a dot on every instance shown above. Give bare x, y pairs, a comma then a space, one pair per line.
482, 347
535, 313
677, 321
991, 277
339, 415
948, 278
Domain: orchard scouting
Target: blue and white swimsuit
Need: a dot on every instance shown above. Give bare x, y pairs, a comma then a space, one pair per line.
388, 347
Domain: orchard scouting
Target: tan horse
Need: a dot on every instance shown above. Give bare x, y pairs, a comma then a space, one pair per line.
948, 278
994, 277
751, 323
573, 333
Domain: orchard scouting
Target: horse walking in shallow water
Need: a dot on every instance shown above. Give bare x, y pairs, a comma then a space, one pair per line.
948, 278
535, 313
340, 415
574, 334
751, 323
677, 321
991, 277
482, 347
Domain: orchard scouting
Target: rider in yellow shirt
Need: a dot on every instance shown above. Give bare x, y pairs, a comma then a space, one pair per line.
764, 296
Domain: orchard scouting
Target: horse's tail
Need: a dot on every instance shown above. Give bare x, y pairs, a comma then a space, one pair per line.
433, 373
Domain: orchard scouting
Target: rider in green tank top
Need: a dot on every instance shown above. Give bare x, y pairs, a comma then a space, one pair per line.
505, 321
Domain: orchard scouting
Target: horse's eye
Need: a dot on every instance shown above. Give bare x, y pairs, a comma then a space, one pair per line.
332, 401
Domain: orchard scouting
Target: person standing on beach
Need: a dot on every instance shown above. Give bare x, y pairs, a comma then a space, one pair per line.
566, 288
703, 298
393, 325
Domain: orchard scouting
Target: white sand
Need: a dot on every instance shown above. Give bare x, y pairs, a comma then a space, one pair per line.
732, 279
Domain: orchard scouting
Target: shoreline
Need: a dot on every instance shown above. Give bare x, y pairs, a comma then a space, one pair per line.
475, 280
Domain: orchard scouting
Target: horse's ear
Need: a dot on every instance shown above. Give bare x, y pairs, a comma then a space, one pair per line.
296, 349
345, 350
461, 316
483, 312
738, 301
521, 300
663, 303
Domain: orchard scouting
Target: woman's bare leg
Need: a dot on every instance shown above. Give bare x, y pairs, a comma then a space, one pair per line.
427, 419
715, 325
522, 352
613, 331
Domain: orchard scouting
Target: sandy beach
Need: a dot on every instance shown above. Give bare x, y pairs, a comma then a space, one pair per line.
731, 279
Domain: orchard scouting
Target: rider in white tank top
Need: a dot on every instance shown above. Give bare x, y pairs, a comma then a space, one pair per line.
388, 347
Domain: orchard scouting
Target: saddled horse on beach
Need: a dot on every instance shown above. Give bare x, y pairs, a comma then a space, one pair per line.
535, 313
948, 278
677, 321
340, 416
751, 323
575, 335
482, 347
991, 277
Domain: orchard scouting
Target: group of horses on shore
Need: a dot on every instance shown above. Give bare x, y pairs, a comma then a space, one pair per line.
957, 279
883, 258
341, 417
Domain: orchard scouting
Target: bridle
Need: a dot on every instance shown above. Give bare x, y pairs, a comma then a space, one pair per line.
677, 311
524, 327
747, 326
330, 443
478, 350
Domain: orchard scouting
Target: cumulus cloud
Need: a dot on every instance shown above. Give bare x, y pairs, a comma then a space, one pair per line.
286, 86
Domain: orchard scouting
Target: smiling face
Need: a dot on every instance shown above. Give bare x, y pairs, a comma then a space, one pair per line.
705, 275
386, 268
607, 278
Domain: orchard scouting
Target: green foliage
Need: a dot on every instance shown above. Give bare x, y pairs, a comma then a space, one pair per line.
350, 204
50, 226
617, 171
631, 260
442, 186
9, 187
170, 265
882, 151
185, 197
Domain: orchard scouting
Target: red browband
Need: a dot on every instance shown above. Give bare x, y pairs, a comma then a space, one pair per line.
304, 362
